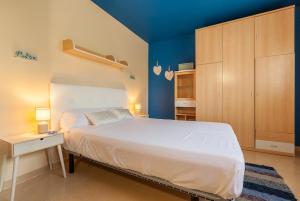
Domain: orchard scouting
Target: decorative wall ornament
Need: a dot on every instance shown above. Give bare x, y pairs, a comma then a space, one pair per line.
157, 69
169, 74
25, 55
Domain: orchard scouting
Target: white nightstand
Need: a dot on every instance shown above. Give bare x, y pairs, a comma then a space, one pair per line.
16, 146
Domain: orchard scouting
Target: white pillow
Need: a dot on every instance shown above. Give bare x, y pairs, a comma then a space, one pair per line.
73, 119
122, 113
103, 117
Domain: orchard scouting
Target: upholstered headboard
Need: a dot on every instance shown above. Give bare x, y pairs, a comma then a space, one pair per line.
67, 97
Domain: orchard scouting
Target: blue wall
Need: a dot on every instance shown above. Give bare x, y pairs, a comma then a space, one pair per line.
297, 73
161, 91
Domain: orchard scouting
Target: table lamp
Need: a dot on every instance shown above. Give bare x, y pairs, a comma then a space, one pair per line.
42, 116
138, 108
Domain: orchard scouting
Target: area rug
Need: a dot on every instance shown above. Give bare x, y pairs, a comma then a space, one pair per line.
263, 183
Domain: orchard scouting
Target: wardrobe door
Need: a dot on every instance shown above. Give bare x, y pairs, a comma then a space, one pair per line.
209, 45
274, 98
275, 33
238, 79
209, 92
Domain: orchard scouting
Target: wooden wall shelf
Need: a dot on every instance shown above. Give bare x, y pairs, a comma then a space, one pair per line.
70, 47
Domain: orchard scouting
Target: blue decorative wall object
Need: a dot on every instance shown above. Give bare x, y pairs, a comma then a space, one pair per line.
169, 53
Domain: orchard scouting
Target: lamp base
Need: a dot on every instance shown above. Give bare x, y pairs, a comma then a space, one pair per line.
137, 112
42, 128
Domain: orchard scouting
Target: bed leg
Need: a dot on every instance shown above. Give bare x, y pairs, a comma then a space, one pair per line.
71, 163
193, 198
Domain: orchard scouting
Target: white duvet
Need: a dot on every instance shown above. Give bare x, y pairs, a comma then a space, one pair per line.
196, 155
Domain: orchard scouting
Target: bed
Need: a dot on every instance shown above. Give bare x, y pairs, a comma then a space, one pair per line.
202, 159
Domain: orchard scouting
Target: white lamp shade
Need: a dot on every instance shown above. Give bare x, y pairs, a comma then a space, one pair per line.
42, 114
138, 107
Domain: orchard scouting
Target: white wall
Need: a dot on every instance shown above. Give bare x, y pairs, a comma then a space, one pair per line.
39, 27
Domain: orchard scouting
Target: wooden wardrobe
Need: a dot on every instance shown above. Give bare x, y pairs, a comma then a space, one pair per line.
245, 77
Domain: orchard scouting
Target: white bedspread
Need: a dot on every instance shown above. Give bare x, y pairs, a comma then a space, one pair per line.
196, 155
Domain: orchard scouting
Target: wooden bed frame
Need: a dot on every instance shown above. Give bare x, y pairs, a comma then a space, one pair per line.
195, 194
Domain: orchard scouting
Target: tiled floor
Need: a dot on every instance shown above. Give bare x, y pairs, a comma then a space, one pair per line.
91, 183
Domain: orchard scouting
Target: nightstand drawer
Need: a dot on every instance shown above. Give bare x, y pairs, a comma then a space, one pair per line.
37, 144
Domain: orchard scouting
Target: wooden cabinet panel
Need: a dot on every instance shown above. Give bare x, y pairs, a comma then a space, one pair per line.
274, 96
275, 33
238, 79
209, 45
209, 92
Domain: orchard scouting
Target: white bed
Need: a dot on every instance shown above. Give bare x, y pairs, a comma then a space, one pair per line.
194, 155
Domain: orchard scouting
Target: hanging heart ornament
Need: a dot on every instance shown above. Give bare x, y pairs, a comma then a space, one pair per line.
169, 74
157, 69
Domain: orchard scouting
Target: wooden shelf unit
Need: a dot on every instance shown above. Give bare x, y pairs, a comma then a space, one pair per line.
70, 47
185, 84
185, 93
185, 113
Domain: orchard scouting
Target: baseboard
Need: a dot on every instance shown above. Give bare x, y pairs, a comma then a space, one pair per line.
28, 176
297, 149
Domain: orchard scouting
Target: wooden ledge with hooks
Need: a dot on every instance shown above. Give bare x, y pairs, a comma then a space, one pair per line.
70, 47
